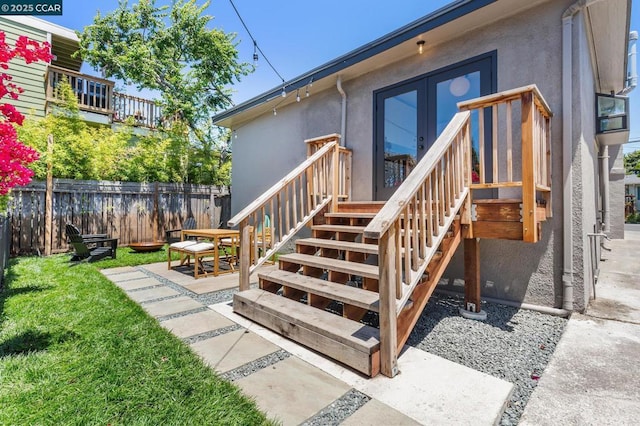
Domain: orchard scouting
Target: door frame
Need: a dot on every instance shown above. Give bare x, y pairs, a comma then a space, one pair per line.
427, 123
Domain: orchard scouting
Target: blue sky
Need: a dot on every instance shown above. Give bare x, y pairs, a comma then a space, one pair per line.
297, 36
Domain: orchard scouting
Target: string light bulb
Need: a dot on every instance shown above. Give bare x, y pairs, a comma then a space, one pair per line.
255, 54
307, 92
275, 112
298, 95
420, 44
284, 93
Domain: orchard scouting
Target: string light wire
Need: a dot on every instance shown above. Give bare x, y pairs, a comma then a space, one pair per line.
255, 43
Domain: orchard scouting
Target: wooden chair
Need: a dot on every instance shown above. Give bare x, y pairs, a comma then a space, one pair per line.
91, 241
71, 229
85, 254
189, 223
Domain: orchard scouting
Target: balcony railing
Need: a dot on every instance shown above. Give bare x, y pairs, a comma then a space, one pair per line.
97, 95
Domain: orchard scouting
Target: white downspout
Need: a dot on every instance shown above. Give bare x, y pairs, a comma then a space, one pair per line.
343, 118
567, 155
604, 176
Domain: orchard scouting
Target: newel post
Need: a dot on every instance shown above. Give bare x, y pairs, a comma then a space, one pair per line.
245, 255
529, 228
388, 318
335, 171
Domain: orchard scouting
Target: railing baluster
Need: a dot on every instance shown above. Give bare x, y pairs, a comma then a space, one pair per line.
509, 144
423, 222
398, 258
481, 143
494, 142
416, 236
441, 196
430, 210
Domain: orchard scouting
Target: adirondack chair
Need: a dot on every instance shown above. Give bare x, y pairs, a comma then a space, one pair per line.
91, 241
71, 229
173, 235
85, 254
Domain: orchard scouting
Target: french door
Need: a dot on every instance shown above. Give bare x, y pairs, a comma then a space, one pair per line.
409, 117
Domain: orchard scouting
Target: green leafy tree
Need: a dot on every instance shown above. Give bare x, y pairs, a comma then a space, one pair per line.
171, 50
632, 163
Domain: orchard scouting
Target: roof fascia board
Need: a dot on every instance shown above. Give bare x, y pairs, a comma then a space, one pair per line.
433, 20
43, 25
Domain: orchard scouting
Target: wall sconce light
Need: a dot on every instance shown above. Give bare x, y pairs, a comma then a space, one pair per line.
420, 44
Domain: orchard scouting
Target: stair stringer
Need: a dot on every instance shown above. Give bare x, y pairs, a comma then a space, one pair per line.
408, 317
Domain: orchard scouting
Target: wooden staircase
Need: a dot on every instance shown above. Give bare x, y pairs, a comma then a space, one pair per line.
355, 289
325, 295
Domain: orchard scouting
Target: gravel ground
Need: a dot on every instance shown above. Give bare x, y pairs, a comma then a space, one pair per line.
512, 344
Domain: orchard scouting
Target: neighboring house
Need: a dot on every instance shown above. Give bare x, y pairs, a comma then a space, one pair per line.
98, 102
632, 188
392, 98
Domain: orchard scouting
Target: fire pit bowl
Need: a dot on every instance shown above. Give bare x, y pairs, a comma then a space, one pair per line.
146, 247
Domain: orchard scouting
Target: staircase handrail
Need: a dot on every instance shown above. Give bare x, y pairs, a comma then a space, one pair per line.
414, 222
393, 208
278, 186
274, 217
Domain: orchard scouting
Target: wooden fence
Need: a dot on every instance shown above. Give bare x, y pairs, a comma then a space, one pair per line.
131, 212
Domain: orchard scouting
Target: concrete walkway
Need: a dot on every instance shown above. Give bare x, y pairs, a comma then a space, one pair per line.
594, 375
297, 386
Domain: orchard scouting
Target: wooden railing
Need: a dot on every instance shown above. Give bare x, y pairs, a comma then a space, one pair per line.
97, 95
413, 223
143, 112
279, 213
344, 162
94, 94
531, 139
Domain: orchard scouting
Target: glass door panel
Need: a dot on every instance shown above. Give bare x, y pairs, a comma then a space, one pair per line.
400, 136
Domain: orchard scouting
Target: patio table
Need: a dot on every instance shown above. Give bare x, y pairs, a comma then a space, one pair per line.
215, 235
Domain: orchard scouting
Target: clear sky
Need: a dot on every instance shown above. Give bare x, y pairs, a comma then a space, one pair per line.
299, 35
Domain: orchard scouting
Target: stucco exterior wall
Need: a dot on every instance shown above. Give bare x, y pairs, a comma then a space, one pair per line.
529, 50
586, 170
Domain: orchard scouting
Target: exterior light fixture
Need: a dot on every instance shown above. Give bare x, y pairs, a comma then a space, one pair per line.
420, 44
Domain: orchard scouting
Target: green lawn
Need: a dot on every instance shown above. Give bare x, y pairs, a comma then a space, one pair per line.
75, 350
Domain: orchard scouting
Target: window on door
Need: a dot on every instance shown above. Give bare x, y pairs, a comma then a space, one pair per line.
411, 115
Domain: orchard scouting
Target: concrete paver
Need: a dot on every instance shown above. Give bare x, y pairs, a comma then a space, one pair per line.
171, 306
231, 350
118, 270
375, 412
152, 294
292, 390
117, 278
137, 283
198, 323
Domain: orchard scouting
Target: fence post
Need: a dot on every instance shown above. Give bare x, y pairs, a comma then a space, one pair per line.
48, 198
335, 186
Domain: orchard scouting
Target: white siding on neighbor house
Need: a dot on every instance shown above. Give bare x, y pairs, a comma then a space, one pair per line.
28, 76
529, 51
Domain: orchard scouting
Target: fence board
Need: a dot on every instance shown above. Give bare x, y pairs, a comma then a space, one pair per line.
124, 210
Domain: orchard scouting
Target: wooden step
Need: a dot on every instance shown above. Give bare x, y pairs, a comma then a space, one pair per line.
339, 245
343, 293
353, 268
352, 343
339, 228
352, 215
360, 206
